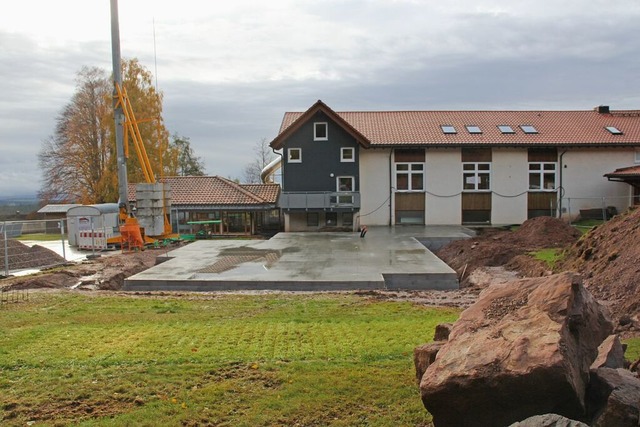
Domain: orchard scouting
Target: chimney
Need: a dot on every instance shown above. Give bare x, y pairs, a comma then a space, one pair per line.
602, 109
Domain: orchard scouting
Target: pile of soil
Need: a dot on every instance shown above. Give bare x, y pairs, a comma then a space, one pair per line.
21, 256
607, 257
500, 247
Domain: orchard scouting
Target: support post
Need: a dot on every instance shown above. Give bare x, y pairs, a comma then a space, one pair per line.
6, 250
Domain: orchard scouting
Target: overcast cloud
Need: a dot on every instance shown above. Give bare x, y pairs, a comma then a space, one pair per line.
229, 70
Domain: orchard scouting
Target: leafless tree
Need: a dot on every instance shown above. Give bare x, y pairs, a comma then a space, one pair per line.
263, 156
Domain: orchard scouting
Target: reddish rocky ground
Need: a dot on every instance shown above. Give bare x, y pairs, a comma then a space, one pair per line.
606, 257
505, 248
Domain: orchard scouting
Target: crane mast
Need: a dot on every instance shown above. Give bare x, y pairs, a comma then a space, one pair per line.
123, 191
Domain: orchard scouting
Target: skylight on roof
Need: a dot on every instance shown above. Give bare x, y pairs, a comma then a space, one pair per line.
528, 129
448, 129
473, 129
614, 130
506, 129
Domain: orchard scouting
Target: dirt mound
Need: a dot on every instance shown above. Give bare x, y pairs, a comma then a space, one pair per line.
22, 256
494, 248
607, 257
546, 232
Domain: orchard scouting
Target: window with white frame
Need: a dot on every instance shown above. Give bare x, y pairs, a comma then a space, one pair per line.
294, 155
345, 183
542, 176
320, 131
410, 176
347, 154
476, 176
637, 157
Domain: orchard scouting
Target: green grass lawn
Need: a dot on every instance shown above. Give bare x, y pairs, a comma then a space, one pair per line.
549, 255
225, 360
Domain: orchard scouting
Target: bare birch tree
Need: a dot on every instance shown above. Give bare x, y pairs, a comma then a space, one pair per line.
263, 156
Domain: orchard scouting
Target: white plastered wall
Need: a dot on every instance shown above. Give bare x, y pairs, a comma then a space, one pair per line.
443, 182
584, 183
374, 187
509, 182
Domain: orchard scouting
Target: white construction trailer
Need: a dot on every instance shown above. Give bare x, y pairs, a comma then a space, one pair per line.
90, 226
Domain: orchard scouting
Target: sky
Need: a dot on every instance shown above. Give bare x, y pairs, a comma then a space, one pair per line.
229, 70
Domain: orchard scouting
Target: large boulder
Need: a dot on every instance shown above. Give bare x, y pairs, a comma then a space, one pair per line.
614, 398
548, 420
523, 349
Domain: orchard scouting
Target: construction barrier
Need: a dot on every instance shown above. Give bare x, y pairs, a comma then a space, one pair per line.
94, 240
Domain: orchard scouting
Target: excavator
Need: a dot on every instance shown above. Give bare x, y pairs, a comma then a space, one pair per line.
132, 234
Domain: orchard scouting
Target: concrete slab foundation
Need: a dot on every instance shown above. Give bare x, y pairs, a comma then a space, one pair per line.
386, 258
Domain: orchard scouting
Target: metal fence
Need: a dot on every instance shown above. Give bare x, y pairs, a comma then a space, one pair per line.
33, 245
596, 208
8, 296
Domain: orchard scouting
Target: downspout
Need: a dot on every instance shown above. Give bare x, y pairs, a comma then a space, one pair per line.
560, 187
390, 187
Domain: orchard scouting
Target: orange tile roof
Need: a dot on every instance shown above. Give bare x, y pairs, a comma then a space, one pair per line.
215, 190
628, 172
384, 128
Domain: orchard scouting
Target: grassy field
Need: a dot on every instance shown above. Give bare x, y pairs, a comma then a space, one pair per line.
225, 360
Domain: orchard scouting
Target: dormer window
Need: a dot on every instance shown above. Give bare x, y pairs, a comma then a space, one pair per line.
320, 131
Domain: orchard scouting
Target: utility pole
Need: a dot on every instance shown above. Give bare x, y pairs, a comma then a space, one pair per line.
118, 113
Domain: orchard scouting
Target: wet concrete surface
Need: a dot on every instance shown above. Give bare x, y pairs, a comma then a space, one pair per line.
386, 258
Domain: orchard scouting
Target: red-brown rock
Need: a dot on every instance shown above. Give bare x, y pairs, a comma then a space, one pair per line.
610, 354
614, 398
524, 348
425, 355
442, 331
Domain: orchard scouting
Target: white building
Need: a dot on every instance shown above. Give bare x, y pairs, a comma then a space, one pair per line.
344, 169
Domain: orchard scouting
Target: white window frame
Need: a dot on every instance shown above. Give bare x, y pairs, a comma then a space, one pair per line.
353, 184
315, 131
472, 176
410, 172
290, 151
541, 171
344, 199
637, 156
344, 150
